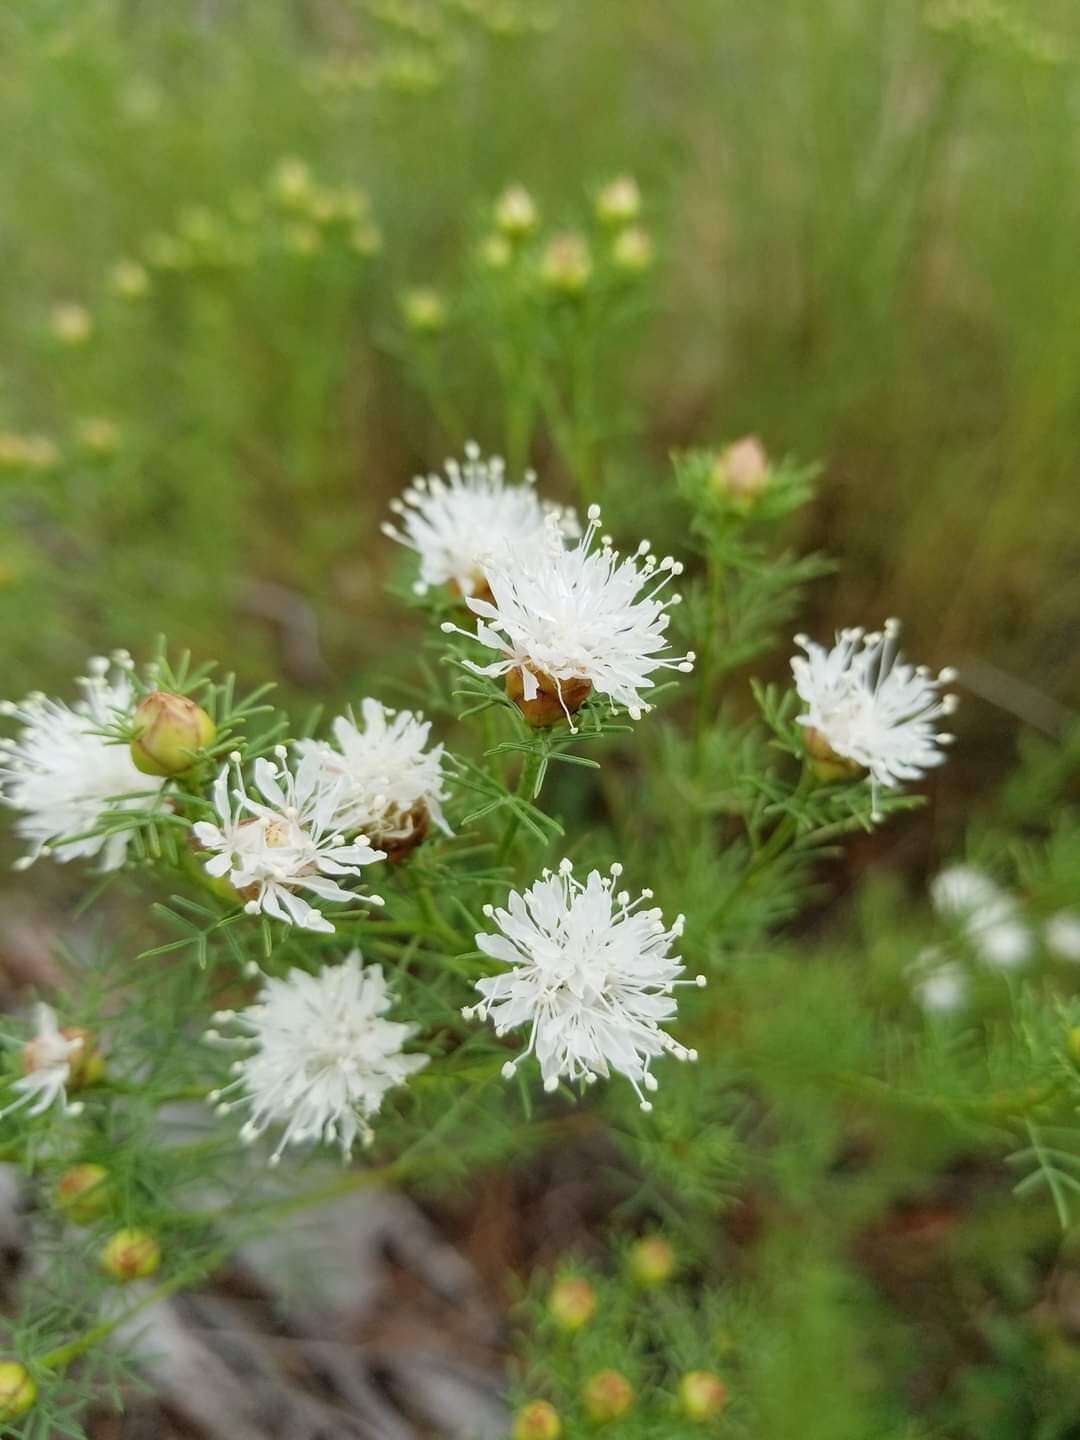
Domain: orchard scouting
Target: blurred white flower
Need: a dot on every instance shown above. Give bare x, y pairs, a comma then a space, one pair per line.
64, 776
321, 1055
871, 707
1062, 934
941, 986
590, 974
389, 782
458, 521
989, 917
286, 842
580, 614
49, 1060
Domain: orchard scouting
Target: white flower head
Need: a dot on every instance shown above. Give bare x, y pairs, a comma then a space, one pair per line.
941, 986
457, 521
287, 841
64, 776
592, 975
871, 707
388, 778
320, 1055
1062, 934
988, 915
50, 1058
579, 613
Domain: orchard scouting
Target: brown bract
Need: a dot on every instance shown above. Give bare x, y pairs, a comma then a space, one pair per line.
554, 699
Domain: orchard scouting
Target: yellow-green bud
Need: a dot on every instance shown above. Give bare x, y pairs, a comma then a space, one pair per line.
702, 1395
619, 202
169, 729
652, 1261
424, 311
742, 471
129, 280
495, 252
99, 436
607, 1396
131, 1254
82, 1193
17, 1390
515, 213
572, 1302
71, 324
566, 265
537, 1421
1074, 1044
632, 251
366, 239
290, 184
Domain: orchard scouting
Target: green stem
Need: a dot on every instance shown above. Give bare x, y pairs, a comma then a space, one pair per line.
526, 782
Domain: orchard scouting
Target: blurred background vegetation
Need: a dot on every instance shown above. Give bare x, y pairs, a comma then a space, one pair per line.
865, 221
253, 281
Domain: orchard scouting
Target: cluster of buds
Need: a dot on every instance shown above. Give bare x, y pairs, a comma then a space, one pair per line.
314, 210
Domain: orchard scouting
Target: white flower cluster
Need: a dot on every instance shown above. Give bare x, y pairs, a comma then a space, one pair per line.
320, 1055
590, 973
50, 1061
870, 707
64, 775
390, 780
459, 521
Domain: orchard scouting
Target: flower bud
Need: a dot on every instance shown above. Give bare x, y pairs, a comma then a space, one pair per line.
1073, 1043
291, 184
702, 1395
169, 729
826, 764
129, 280
424, 311
495, 252
632, 252
566, 265
553, 700
515, 213
82, 1193
652, 1261
572, 1302
131, 1254
741, 472
537, 1421
71, 324
366, 239
17, 1390
99, 436
619, 202
607, 1395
